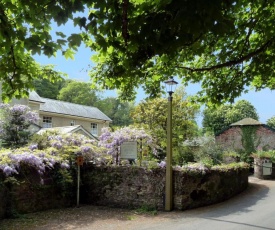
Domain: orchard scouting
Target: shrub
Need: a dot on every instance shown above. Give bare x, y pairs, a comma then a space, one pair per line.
57, 149
265, 154
14, 124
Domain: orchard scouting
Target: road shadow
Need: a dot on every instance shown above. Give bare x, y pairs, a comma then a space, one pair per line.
257, 190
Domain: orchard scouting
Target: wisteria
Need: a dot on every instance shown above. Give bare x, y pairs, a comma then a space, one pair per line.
59, 149
113, 140
14, 124
162, 164
62, 150
195, 167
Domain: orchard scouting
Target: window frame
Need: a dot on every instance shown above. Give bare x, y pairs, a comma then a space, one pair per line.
47, 122
94, 129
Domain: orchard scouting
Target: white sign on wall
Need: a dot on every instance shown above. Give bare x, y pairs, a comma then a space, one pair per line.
128, 150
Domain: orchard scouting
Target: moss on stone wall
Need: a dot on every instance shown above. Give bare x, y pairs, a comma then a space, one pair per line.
137, 187
122, 186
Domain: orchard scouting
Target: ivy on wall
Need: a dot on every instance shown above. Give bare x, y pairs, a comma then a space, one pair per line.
248, 141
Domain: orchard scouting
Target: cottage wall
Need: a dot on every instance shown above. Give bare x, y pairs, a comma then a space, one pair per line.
34, 106
63, 120
232, 138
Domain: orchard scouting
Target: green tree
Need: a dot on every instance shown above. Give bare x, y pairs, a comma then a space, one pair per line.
151, 114
215, 119
46, 88
119, 111
225, 45
271, 122
79, 93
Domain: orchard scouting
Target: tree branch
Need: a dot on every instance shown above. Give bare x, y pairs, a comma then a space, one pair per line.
232, 62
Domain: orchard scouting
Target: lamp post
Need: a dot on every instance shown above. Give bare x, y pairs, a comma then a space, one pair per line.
170, 87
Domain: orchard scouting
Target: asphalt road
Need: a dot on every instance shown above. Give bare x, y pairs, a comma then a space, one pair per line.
253, 209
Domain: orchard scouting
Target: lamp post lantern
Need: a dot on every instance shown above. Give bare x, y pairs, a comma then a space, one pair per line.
170, 88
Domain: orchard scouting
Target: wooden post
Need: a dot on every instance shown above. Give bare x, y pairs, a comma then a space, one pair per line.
117, 155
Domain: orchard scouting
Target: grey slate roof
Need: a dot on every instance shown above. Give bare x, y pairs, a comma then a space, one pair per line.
33, 96
247, 121
67, 108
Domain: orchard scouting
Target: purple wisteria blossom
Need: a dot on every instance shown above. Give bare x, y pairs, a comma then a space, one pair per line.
14, 120
162, 164
57, 149
33, 147
113, 140
8, 170
65, 165
85, 149
56, 144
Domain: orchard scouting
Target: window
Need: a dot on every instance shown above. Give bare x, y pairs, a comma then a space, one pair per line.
47, 122
94, 129
72, 122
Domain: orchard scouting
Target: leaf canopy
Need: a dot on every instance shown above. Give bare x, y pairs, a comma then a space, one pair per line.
227, 46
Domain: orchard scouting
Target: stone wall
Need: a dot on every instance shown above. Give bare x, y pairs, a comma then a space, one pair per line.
258, 168
119, 186
136, 187
232, 138
24, 193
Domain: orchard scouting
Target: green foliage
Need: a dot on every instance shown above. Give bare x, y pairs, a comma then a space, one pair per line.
271, 122
22, 35
145, 209
64, 180
46, 88
228, 167
270, 154
231, 154
184, 155
79, 93
224, 45
119, 111
217, 119
152, 115
249, 139
209, 153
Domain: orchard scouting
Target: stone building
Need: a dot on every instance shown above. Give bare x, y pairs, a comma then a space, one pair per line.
233, 136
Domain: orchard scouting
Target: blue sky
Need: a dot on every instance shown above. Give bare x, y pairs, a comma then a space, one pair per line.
78, 68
